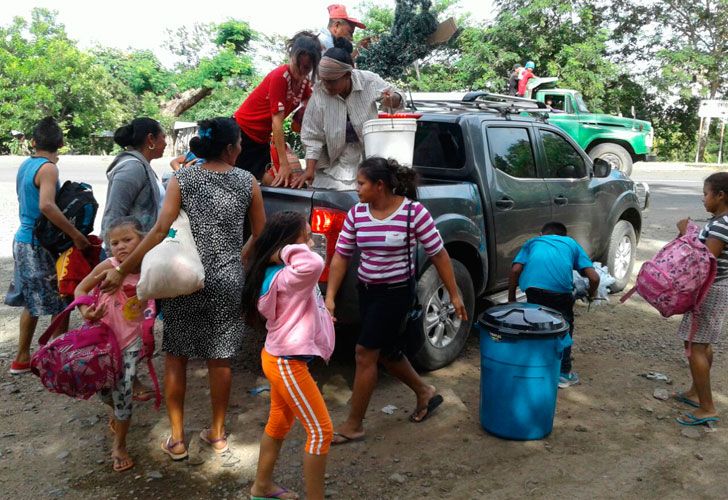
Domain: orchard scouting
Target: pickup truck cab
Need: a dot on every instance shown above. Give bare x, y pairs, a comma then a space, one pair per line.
491, 178
618, 140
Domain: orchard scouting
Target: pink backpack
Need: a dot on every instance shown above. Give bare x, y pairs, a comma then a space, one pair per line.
82, 362
676, 280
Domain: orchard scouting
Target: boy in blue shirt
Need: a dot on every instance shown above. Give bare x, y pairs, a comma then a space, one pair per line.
543, 270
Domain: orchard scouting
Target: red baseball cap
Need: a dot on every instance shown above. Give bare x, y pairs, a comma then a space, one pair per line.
338, 11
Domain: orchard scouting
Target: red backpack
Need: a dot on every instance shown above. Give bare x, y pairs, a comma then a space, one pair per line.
84, 361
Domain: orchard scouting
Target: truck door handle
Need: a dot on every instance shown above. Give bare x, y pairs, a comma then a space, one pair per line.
505, 203
561, 200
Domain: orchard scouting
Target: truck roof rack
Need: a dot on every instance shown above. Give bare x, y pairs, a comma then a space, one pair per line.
483, 101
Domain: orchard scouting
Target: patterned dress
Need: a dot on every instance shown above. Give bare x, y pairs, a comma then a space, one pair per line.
208, 324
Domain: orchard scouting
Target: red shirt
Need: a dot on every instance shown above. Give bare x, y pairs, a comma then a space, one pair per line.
275, 94
525, 76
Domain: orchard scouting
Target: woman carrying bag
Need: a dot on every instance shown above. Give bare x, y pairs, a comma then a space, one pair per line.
207, 324
378, 226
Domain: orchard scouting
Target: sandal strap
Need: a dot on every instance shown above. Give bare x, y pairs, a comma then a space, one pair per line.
216, 440
169, 445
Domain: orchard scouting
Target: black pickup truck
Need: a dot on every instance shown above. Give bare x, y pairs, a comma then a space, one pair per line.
491, 174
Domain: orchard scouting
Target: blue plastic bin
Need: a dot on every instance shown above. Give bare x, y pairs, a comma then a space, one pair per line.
520, 351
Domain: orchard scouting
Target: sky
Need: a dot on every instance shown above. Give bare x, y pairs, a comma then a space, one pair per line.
141, 24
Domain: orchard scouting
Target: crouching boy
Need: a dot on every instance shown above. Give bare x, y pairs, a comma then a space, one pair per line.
543, 270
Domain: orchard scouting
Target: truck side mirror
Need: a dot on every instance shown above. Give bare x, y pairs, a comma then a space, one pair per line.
602, 168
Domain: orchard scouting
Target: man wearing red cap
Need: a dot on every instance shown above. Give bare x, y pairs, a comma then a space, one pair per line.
340, 26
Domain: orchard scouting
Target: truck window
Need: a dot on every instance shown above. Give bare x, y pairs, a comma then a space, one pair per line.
439, 145
555, 101
562, 160
511, 151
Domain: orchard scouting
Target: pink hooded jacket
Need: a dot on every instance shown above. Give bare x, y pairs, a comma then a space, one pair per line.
297, 320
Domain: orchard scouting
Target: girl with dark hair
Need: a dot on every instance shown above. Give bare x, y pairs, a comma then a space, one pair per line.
218, 198
279, 94
134, 188
282, 289
332, 132
378, 226
714, 309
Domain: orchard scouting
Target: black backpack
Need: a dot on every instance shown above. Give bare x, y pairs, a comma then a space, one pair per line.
76, 201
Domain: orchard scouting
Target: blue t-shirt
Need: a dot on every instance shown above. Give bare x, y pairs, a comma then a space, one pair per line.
548, 262
29, 197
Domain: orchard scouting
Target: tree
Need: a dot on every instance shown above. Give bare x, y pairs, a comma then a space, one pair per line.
190, 43
405, 43
694, 53
231, 66
42, 73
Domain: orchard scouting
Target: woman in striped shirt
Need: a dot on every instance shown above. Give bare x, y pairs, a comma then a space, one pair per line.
377, 226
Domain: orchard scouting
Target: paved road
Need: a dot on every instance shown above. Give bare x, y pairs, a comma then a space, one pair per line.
90, 169
676, 193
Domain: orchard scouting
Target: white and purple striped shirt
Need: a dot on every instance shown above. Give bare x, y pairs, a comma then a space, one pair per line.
382, 243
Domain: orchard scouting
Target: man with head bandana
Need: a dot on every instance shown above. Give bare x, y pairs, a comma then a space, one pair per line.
332, 132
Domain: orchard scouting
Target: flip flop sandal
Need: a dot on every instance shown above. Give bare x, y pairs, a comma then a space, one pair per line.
344, 439
205, 438
691, 420
167, 448
433, 403
272, 496
121, 468
143, 396
680, 397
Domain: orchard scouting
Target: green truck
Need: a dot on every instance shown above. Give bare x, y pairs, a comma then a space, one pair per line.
618, 140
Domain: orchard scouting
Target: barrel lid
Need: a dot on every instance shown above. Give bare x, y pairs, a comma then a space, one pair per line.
400, 115
518, 319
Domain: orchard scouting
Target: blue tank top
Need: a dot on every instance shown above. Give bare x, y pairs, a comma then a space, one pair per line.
28, 197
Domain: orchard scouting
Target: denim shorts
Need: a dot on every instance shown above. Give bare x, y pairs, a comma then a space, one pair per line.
35, 282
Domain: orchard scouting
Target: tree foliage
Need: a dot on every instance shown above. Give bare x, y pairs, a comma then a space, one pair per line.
405, 42
42, 72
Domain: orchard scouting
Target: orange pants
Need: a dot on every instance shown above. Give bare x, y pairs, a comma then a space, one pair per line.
294, 394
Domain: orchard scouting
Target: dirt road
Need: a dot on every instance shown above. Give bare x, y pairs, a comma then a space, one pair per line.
611, 438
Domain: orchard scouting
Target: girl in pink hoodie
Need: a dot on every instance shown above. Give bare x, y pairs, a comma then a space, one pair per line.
281, 292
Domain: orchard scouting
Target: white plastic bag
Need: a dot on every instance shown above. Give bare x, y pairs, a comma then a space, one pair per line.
173, 267
581, 284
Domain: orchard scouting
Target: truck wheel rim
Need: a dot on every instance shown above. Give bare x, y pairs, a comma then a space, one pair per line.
614, 160
622, 258
441, 324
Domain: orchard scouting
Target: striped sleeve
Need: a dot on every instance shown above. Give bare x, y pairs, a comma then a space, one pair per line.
718, 229
347, 237
426, 231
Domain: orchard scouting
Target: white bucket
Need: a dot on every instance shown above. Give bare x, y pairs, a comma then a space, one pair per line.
391, 138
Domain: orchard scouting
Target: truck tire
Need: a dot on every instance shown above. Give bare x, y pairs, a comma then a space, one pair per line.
444, 334
615, 154
621, 254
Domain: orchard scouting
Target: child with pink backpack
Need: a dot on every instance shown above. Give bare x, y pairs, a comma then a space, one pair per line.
701, 328
128, 318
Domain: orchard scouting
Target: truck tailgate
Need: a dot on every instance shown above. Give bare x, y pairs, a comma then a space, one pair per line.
280, 199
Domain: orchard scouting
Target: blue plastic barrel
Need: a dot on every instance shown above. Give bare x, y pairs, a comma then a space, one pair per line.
520, 351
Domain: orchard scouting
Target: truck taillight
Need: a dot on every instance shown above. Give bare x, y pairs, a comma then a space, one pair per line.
326, 224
